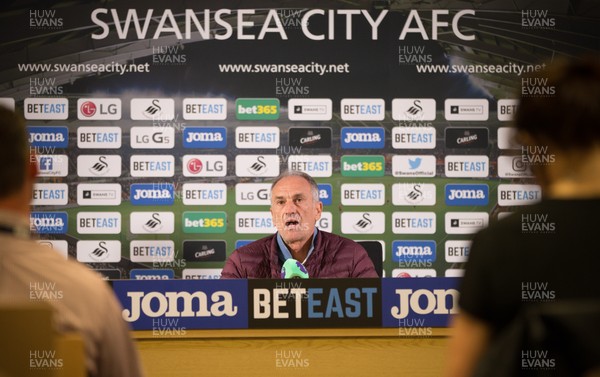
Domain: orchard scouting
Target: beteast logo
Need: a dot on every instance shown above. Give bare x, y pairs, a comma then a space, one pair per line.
48, 222
204, 251
254, 222
362, 137
413, 109
518, 195
56, 165
413, 166
253, 194
46, 108
152, 165
99, 251
152, 137
465, 138
99, 137
256, 165
362, 109
204, 108
152, 222
106, 194
474, 109
457, 251
99, 166
414, 222
205, 137
257, 137
413, 194
50, 194
507, 108
363, 194
204, 165
99, 109
363, 222
204, 193
152, 251
459, 166
98, 223
413, 137
314, 165
257, 108
411, 250
48, 137
465, 222
467, 195
201, 273
304, 137
310, 109
148, 194
152, 108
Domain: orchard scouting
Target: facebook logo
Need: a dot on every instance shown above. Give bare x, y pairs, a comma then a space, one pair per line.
46, 164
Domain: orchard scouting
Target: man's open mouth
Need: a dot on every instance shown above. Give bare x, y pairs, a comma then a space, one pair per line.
291, 223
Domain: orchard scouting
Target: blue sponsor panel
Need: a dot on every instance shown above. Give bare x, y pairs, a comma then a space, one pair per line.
183, 304
48, 137
205, 137
240, 243
419, 302
408, 250
152, 194
156, 274
467, 195
325, 193
48, 222
362, 138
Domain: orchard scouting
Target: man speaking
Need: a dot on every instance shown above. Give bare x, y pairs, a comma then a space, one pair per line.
295, 208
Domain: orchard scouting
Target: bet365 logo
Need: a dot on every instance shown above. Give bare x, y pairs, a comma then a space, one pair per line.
257, 108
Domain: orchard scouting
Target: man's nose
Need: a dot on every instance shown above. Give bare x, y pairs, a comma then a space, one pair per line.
289, 207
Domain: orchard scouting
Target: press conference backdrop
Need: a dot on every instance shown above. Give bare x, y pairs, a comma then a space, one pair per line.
158, 126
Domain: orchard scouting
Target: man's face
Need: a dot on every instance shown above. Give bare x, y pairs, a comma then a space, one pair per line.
293, 209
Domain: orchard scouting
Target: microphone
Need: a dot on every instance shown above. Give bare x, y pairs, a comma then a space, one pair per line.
292, 269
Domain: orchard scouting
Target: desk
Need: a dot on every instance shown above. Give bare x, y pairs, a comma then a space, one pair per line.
302, 352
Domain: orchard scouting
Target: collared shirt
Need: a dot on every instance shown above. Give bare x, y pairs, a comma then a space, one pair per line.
285, 254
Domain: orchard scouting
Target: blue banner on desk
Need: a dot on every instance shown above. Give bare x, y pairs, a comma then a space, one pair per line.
418, 302
173, 305
169, 306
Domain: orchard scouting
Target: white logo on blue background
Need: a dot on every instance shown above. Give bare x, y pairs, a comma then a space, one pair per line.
150, 194
205, 137
407, 251
49, 137
467, 195
362, 137
325, 192
48, 222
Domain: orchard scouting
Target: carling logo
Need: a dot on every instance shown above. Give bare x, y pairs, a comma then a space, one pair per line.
152, 222
152, 108
99, 251
205, 137
467, 195
466, 138
48, 222
48, 137
204, 251
362, 137
411, 250
151, 194
99, 166
99, 109
305, 137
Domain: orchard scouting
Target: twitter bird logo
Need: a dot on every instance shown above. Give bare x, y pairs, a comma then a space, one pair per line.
414, 163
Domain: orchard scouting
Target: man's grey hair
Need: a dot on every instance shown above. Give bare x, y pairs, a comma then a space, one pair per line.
314, 188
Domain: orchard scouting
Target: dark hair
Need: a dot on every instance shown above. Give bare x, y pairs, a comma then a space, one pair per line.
14, 152
314, 188
566, 112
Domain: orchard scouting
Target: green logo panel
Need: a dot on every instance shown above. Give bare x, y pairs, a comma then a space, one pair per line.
204, 222
257, 109
362, 166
